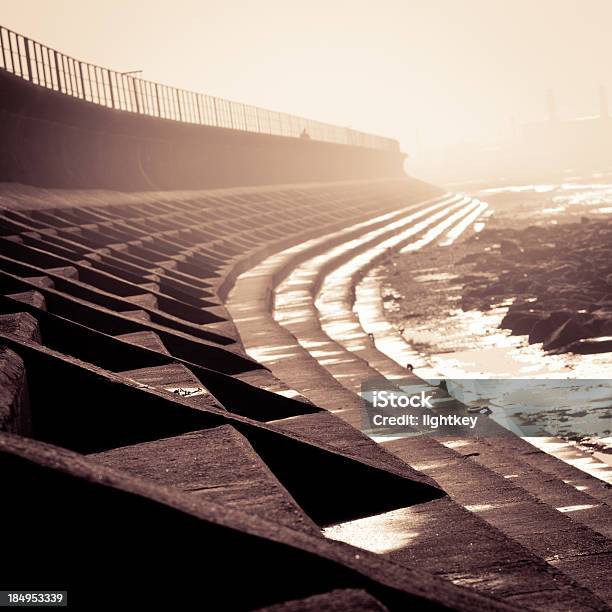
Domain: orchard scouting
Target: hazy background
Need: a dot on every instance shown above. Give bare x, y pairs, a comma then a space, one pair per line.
428, 72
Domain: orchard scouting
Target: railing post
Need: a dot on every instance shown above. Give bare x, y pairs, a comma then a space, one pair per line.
57, 71
231, 114
136, 97
94, 80
40, 64
48, 79
110, 86
159, 111
178, 104
26, 44
216, 113
67, 74
4, 64
199, 109
82, 79
19, 56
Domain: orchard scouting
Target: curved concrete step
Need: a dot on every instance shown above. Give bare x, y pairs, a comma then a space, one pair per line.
301, 323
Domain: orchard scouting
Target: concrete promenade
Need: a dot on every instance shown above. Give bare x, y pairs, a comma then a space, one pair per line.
516, 497
135, 430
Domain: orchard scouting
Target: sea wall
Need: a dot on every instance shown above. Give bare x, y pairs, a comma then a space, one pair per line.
53, 140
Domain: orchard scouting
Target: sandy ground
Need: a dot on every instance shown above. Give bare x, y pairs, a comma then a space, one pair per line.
424, 294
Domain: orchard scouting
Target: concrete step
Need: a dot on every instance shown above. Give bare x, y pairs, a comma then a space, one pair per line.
264, 379
146, 339
161, 525
444, 538
334, 601
215, 465
66, 271
146, 300
15, 414
505, 457
20, 324
150, 286
33, 298
479, 554
141, 315
565, 466
176, 380
41, 281
580, 552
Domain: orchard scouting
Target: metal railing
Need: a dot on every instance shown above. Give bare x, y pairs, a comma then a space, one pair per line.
49, 68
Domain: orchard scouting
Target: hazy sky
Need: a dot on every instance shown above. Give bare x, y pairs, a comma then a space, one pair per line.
451, 69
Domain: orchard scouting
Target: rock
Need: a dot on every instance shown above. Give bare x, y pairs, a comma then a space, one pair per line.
525, 324
579, 317
568, 332
547, 325
588, 346
601, 313
602, 325
521, 285
559, 276
521, 322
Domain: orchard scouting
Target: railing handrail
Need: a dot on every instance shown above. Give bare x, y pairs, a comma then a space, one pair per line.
57, 71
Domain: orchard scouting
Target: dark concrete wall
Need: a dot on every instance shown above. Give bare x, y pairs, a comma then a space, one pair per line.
52, 140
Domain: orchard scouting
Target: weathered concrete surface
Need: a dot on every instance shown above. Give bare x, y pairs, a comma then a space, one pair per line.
15, 414
146, 339
59, 494
216, 465
334, 601
20, 324
14, 400
120, 412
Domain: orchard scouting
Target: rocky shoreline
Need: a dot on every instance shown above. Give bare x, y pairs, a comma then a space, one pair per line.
558, 277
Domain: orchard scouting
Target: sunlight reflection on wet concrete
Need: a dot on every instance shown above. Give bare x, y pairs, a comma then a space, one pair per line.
344, 349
